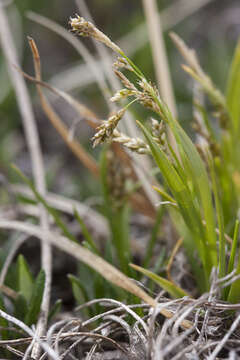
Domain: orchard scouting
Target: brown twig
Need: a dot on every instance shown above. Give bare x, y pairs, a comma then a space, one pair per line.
8, 291
76, 148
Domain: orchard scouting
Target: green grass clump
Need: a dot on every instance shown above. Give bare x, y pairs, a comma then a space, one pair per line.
202, 181
200, 187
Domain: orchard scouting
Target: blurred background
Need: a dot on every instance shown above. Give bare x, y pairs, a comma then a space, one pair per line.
211, 27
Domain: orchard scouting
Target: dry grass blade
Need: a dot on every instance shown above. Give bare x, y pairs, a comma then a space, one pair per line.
221, 344
195, 70
11, 254
8, 292
76, 148
188, 54
159, 54
81, 109
30, 332
112, 302
109, 272
33, 142
95, 337
63, 336
91, 217
160, 60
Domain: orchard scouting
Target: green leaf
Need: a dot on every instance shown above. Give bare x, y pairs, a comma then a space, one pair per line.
80, 294
183, 197
232, 255
174, 290
219, 212
79, 290
234, 292
234, 248
164, 195
118, 220
25, 279
36, 299
20, 307
199, 176
233, 90
55, 309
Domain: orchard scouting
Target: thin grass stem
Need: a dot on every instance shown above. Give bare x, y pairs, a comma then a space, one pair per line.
234, 247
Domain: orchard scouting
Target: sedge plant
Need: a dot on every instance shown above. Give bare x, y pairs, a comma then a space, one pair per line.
201, 181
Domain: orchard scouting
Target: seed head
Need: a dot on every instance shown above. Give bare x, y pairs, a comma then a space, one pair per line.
83, 27
159, 133
134, 144
121, 94
124, 80
122, 63
105, 130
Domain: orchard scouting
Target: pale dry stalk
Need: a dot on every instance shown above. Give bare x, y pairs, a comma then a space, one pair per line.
32, 138
160, 60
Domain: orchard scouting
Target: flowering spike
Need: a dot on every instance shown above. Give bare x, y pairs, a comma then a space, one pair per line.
83, 27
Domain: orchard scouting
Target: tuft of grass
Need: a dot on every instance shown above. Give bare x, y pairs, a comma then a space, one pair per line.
197, 177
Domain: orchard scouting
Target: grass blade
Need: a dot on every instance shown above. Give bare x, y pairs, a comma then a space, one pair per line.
219, 213
234, 248
199, 176
118, 217
183, 197
25, 279
172, 289
233, 90
36, 299
55, 309
234, 292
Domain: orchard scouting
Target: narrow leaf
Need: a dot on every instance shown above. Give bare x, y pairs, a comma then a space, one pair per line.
200, 177
55, 309
234, 292
25, 279
79, 290
219, 212
36, 299
234, 248
172, 289
182, 196
20, 307
233, 90
118, 217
